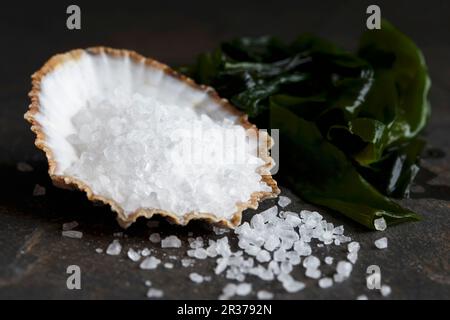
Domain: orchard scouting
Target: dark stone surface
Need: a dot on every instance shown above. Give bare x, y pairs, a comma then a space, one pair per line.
34, 256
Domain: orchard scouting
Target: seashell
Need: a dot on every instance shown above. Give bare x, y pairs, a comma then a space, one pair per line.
67, 85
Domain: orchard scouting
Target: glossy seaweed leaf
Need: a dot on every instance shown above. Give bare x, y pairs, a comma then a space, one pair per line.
348, 122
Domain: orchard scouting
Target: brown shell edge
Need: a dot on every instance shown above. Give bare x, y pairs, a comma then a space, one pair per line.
124, 220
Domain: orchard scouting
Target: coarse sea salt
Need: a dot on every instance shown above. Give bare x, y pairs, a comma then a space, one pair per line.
380, 224
145, 153
154, 293
171, 242
283, 201
385, 290
133, 255
381, 243
150, 263
195, 277
114, 248
264, 295
325, 283
72, 234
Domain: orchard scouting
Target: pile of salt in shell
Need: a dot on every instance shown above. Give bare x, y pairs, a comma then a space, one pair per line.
273, 244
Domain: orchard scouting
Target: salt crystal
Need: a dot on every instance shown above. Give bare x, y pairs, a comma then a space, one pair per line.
269, 214
155, 237
302, 248
118, 234
264, 295
325, 283
195, 277
290, 284
72, 234
150, 263
145, 252
228, 291
24, 167
385, 290
362, 297
313, 273
38, 190
311, 262
133, 255
338, 230
200, 253
148, 283
272, 242
352, 257
344, 268
220, 231
293, 257
99, 250
353, 246
114, 248
222, 264
286, 267
243, 289
171, 242
168, 265
252, 250
337, 277
328, 260
263, 256
154, 293
380, 224
279, 255
69, 225
381, 243
187, 262
283, 201
257, 222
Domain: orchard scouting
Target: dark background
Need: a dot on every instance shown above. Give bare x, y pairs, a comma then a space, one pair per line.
33, 256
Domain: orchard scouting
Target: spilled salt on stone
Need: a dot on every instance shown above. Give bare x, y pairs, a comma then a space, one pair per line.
132, 149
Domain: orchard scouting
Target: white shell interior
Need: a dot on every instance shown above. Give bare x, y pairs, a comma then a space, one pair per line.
75, 83
65, 91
